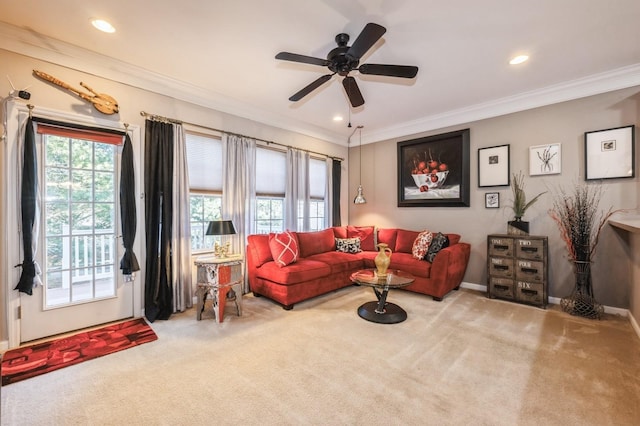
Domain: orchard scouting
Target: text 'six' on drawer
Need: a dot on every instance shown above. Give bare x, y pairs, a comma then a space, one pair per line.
501, 246
530, 292
530, 249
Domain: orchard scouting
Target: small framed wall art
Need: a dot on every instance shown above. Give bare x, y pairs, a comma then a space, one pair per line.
493, 166
610, 153
492, 200
545, 159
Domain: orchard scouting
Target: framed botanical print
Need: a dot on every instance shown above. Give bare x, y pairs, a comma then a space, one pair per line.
545, 159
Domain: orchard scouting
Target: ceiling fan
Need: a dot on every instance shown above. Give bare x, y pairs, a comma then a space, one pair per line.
344, 59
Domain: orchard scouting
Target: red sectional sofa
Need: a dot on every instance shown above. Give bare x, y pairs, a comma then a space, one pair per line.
320, 269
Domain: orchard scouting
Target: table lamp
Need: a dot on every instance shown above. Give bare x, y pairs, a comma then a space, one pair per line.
221, 227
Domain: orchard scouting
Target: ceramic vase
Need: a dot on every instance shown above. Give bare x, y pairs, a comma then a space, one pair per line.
382, 259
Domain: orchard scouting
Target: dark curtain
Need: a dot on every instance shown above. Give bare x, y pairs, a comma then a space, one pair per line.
336, 178
129, 262
158, 188
28, 207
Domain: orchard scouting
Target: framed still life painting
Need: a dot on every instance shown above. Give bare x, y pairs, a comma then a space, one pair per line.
433, 171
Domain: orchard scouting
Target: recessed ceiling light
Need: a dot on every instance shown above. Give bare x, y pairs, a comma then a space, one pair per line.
518, 59
103, 25
337, 118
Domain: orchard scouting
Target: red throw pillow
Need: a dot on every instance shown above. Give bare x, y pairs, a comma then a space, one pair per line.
284, 248
365, 233
421, 245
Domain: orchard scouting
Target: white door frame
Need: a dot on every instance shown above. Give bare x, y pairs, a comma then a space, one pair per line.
16, 114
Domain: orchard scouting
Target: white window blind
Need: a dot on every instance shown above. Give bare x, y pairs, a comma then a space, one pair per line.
271, 168
317, 178
204, 159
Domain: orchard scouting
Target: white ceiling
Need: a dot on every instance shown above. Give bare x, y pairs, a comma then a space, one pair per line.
220, 53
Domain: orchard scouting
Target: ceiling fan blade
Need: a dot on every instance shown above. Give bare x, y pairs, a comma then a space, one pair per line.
310, 88
404, 71
367, 38
294, 57
353, 92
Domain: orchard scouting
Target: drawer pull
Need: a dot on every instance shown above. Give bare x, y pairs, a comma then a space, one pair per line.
501, 287
529, 270
500, 247
501, 267
530, 249
529, 292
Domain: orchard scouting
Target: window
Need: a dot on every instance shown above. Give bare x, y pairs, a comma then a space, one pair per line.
79, 210
317, 191
204, 161
270, 187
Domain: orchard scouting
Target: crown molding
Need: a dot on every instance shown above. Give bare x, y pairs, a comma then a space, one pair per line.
29, 43
616, 79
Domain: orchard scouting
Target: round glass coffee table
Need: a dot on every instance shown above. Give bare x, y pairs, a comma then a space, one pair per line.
381, 311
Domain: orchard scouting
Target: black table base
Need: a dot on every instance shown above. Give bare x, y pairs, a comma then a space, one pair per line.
392, 313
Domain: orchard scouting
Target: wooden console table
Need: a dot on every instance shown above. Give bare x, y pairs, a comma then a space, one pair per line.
220, 277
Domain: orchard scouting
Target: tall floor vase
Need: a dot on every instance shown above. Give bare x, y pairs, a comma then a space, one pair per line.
581, 301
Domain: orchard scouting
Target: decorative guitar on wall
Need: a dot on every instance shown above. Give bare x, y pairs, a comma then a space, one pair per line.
102, 102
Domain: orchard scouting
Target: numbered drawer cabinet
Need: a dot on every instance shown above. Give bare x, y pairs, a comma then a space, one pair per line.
530, 270
499, 246
528, 292
501, 267
517, 268
502, 288
530, 249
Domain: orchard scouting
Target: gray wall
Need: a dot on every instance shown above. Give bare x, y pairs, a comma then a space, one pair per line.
563, 123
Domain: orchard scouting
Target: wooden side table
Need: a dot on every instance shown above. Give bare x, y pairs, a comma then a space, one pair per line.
220, 277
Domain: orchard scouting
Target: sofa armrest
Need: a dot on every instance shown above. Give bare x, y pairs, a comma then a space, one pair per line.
450, 264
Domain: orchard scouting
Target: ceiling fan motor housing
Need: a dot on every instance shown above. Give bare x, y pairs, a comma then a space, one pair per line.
340, 62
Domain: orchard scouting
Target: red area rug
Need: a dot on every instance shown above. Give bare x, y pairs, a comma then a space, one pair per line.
30, 361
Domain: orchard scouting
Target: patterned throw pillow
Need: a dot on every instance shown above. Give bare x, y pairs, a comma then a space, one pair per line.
421, 245
284, 248
348, 245
439, 242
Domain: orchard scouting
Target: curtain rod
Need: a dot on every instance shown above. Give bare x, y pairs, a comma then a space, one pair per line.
175, 121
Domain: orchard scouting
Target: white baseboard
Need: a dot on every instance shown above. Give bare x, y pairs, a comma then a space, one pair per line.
634, 324
471, 286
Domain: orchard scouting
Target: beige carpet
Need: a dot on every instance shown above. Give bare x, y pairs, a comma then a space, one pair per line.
467, 360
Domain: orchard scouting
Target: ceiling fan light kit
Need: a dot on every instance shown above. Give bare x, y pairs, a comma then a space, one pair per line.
344, 59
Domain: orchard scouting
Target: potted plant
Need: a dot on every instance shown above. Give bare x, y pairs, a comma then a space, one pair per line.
580, 224
520, 206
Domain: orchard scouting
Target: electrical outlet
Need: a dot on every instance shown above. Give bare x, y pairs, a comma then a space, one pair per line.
130, 278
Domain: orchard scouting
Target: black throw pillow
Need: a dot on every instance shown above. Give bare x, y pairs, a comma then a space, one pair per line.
439, 242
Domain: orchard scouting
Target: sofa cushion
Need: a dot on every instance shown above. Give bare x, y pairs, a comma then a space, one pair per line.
258, 248
407, 263
388, 236
284, 248
348, 245
338, 261
301, 271
311, 243
366, 235
439, 242
340, 231
453, 238
405, 240
421, 245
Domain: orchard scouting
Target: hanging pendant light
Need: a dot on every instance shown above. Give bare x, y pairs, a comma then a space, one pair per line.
360, 196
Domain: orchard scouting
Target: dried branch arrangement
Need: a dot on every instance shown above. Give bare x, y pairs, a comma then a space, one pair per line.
579, 219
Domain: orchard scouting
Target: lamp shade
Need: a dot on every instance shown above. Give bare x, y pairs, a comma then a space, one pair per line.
221, 227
